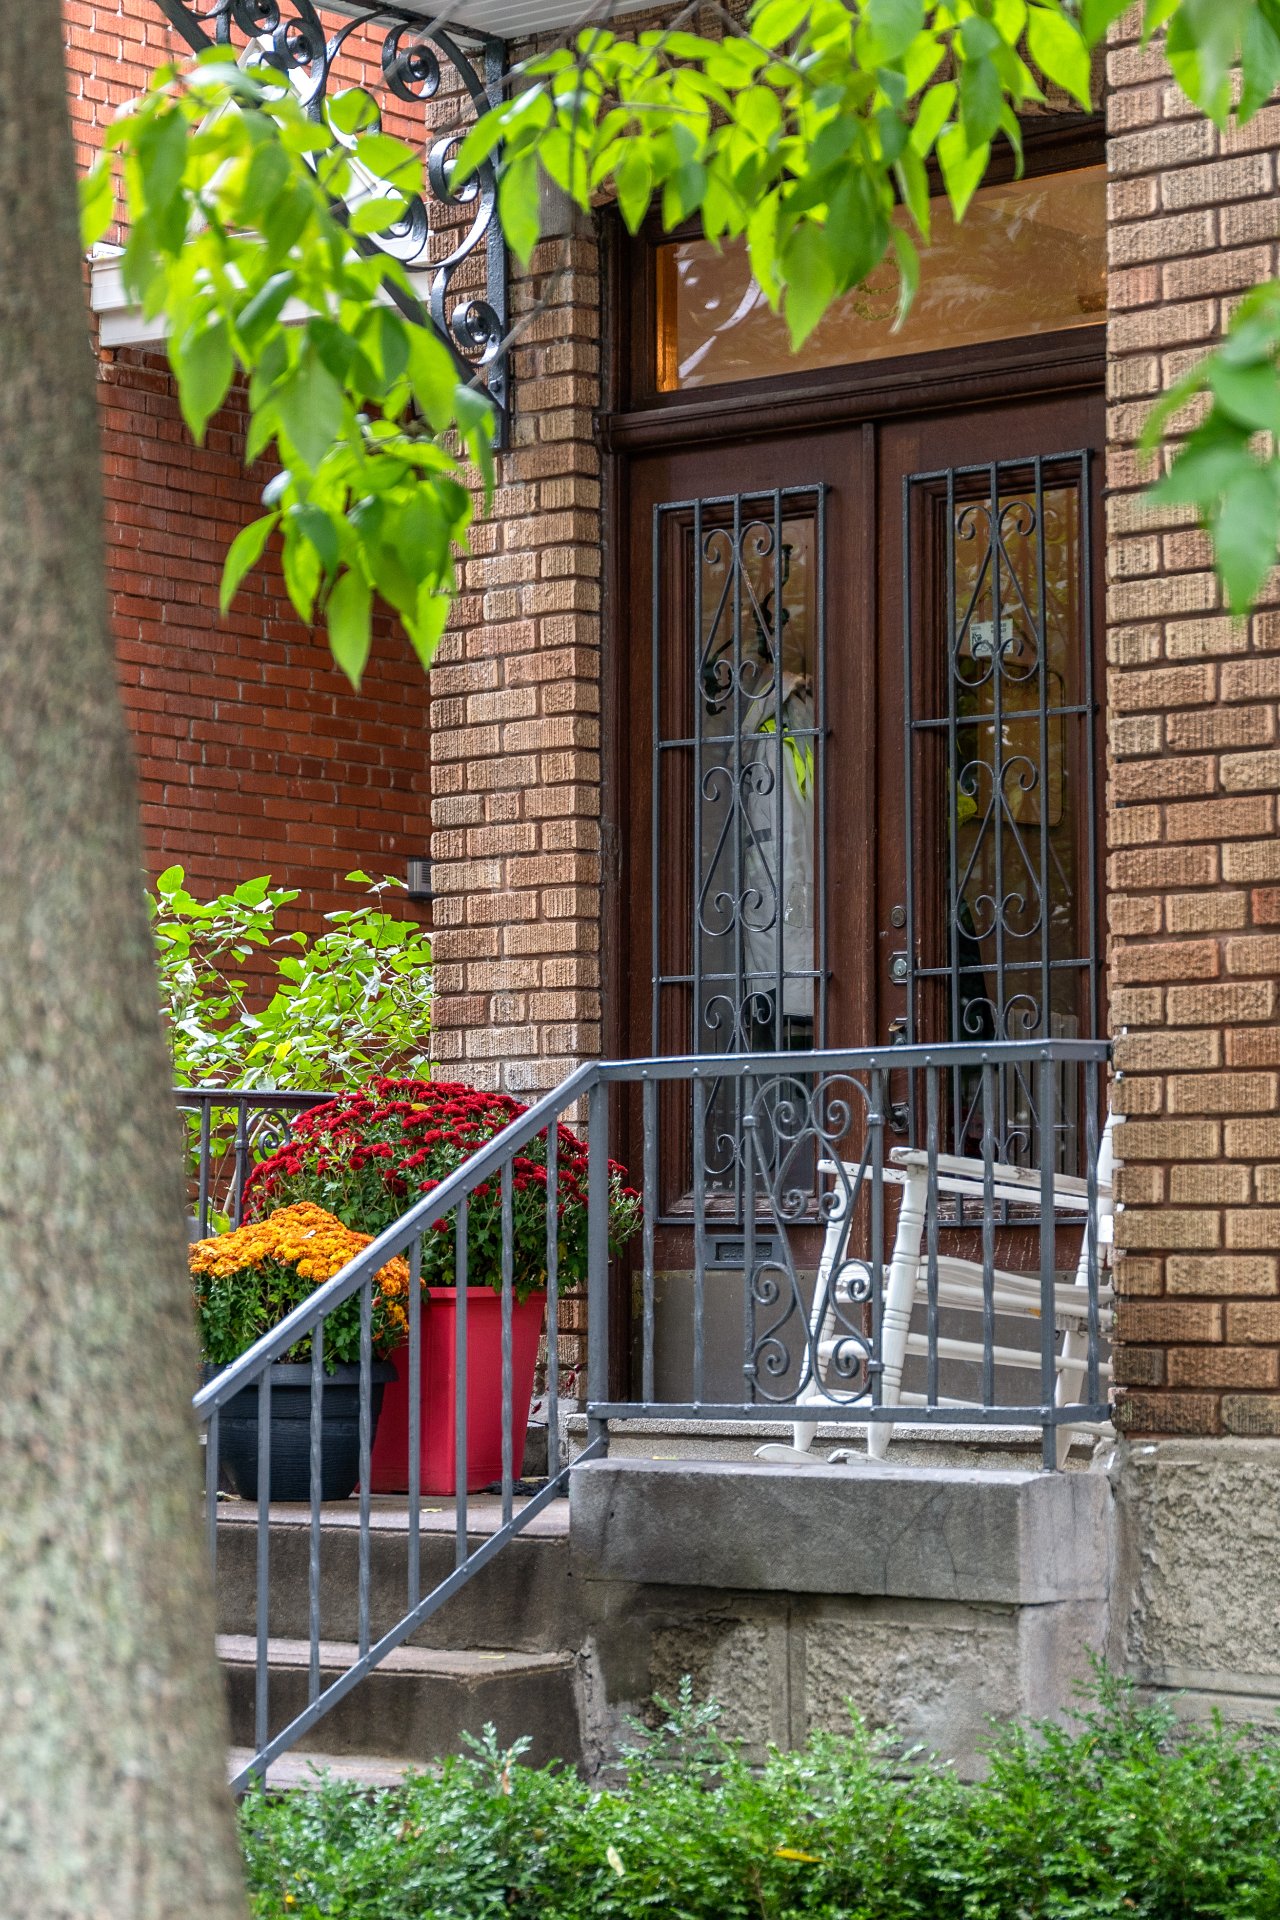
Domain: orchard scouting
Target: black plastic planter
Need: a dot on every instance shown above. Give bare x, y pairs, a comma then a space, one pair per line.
291, 1433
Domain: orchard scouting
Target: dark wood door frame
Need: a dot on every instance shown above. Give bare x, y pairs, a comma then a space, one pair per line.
1045, 366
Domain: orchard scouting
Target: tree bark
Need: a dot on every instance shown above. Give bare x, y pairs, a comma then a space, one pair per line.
112, 1725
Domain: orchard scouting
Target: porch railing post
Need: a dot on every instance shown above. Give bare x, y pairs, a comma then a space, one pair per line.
597, 1256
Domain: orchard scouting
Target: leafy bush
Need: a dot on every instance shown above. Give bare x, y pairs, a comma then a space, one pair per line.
369, 1155
353, 1002
1125, 1817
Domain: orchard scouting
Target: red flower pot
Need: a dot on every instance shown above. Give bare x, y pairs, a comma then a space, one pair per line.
439, 1469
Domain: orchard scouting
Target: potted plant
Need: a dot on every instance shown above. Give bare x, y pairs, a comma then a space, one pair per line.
245, 1284
367, 1157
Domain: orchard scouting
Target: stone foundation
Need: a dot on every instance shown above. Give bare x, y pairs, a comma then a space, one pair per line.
1197, 1588
934, 1601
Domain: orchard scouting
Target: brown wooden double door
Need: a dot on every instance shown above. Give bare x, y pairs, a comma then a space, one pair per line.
861, 763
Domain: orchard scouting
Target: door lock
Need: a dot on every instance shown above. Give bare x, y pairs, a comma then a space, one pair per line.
898, 1031
900, 968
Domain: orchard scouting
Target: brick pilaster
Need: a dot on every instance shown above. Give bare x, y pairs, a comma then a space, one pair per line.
1194, 788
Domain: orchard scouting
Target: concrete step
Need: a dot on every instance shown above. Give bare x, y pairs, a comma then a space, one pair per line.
417, 1705
524, 1600
913, 1445
306, 1772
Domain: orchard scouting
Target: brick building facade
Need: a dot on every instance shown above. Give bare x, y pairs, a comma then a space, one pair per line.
255, 755
1191, 819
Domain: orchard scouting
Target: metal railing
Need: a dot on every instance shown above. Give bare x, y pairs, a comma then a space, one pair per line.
229, 1130
818, 1133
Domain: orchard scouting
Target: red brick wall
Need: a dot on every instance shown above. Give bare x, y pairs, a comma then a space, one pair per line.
255, 754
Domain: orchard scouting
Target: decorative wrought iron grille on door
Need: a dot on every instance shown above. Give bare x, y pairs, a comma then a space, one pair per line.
738, 804
1002, 939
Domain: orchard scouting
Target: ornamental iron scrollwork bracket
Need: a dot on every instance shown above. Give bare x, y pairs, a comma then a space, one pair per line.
417, 55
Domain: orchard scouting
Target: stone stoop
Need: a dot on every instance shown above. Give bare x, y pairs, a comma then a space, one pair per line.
503, 1651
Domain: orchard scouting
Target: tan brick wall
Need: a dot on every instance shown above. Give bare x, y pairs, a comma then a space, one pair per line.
1192, 814
515, 718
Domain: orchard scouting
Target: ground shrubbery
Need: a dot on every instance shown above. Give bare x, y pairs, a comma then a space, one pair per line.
1120, 1815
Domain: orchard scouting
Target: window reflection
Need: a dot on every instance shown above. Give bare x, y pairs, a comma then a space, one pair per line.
1029, 257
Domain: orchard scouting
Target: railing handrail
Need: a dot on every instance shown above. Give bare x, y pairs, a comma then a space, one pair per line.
260, 1096
790, 1104
487, 1159
891, 1059
244, 1370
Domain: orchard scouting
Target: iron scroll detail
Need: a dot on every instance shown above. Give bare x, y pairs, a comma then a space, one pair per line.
443, 231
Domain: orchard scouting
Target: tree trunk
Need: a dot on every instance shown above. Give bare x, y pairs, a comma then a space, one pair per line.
112, 1726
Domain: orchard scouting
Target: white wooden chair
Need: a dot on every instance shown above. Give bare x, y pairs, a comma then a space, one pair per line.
960, 1286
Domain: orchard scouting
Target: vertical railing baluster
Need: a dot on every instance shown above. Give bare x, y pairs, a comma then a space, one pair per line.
1040, 549
202, 1203
313, 1532
876, 1120
366, 1454
931, 1226
241, 1159
699, 1239
597, 1256
414, 1475
748, 1112
261, 1722
508, 1398
461, 1380
1047, 1075
553, 1297
1093, 1251
211, 1446
988, 1234
649, 1094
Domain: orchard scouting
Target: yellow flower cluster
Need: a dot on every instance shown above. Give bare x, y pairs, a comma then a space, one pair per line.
305, 1237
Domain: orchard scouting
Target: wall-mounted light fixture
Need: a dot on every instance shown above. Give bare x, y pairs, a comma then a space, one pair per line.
418, 880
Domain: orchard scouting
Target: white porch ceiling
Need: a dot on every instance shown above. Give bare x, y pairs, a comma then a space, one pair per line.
517, 19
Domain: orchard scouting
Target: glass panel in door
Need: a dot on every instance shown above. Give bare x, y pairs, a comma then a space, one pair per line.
738, 784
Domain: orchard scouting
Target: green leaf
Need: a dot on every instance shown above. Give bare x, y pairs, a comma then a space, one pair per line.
1097, 15
810, 275
315, 525
981, 99
518, 207
267, 175
482, 140
1244, 533
1249, 394
1056, 46
376, 215
311, 408
349, 615
390, 160
634, 180
428, 623
203, 365
161, 150
432, 375
352, 111
97, 201
962, 167
245, 552
774, 21
260, 314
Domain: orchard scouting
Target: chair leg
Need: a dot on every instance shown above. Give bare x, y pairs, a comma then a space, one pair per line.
895, 1319
805, 1432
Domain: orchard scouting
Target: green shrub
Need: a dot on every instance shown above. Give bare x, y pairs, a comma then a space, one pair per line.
1124, 1817
333, 1011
